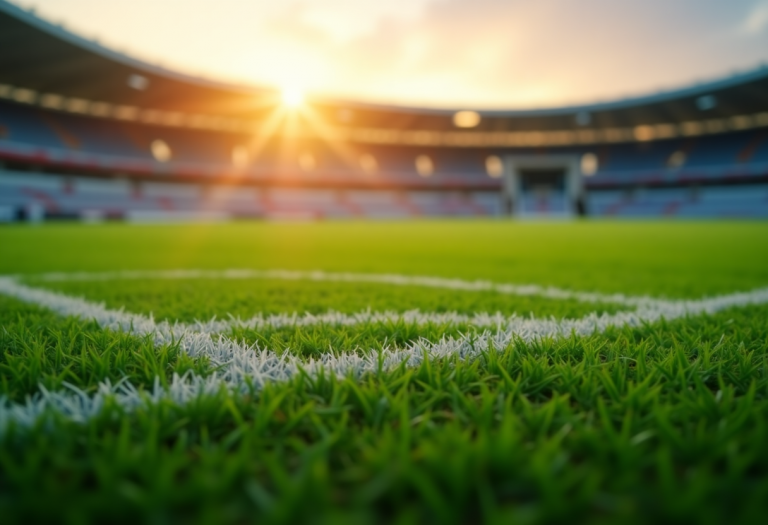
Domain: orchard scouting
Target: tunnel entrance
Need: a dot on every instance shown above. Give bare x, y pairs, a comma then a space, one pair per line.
539, 186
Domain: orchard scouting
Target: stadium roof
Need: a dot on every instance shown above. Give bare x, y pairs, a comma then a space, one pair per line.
41, 58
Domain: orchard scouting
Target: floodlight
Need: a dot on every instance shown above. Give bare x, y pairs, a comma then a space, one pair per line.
494, 166
240, 156
161, 151
677, 159
307, 162
466, 119
583, 118
706, 102
368, 163
424, 165
589, 164
138, 82
644, 133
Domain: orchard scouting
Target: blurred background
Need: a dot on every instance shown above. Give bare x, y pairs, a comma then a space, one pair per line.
200, 110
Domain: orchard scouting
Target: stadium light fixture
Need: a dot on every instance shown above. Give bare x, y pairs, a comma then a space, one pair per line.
644, 133
345, 115
494, 166
307, 162
677, 159
583, 118
466, 119
369, 164
240, 157
161, 151
138, 82
292, 97
52, 101
589, 164
706, 102
424, 166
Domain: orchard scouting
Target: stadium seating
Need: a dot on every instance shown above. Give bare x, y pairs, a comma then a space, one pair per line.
708, 201
58, 142
554, 203
24, 125
109, 143
724, 156
89, 198
94, 198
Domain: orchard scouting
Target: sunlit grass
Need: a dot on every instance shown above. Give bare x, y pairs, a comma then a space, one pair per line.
201, 299
661, 423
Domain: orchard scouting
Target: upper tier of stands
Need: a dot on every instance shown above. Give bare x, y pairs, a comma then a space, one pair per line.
31, 134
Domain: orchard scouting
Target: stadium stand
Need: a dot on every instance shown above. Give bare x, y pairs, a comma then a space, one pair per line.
749, 201
145, 142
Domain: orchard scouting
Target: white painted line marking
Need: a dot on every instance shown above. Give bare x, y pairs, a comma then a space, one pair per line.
548, 292
242, 365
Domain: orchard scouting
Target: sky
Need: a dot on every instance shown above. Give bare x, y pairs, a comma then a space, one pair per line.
477, 54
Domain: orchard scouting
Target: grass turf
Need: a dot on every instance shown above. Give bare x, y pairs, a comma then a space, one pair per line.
661, 258
666, 422
201, 299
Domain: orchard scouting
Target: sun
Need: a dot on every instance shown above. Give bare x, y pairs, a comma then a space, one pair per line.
292, 97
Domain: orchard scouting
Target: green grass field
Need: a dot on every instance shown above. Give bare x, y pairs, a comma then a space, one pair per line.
662, 420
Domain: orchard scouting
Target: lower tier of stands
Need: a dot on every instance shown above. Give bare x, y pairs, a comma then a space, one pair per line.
33, 195
708, 201
36, 195
77, 143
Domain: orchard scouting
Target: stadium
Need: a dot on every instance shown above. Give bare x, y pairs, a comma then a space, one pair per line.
102, 135
231, 304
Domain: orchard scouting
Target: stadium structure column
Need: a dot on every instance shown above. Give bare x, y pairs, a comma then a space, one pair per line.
543, 185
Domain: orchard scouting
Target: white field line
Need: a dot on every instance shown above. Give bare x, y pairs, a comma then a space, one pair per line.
165, 331
548, 292
241, 367
497, 321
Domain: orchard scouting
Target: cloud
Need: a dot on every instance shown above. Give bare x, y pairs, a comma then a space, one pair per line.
757, 20
345, 20
496, 53
470, 53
